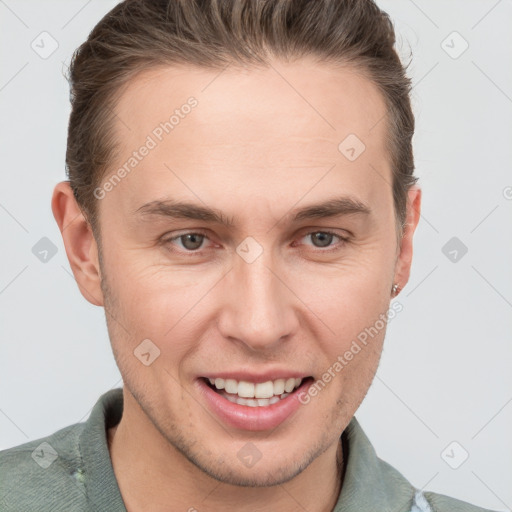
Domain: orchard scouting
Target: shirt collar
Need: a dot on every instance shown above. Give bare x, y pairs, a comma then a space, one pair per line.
370, 483
102, 490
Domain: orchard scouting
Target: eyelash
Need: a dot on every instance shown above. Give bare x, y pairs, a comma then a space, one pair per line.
193, 253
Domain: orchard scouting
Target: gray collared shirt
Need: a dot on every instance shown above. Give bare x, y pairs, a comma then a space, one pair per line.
71, 471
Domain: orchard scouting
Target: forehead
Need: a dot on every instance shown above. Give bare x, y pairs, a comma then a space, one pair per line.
275, 131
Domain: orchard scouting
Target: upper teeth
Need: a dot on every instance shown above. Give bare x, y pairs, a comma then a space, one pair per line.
246, 389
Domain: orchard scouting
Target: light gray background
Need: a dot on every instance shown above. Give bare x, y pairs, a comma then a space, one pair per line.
445, 371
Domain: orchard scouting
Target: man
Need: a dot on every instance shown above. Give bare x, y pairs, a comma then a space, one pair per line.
241, 201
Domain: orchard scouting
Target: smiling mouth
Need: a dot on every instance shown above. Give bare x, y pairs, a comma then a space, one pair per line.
251, 394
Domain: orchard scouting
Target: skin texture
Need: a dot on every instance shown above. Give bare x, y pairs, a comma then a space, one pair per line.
260, 144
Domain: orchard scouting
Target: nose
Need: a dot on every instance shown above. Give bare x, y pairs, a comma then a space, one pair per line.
257, 306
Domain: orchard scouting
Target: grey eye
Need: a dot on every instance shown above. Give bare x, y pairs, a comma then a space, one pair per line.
191, 241
321, 239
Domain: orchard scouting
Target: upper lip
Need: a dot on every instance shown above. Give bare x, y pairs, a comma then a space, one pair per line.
256, 377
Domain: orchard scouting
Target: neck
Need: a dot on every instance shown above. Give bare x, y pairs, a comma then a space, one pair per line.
152, 474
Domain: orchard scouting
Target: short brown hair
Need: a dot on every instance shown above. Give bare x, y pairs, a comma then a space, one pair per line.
137, 35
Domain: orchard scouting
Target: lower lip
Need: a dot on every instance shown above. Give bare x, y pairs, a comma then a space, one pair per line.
252, 418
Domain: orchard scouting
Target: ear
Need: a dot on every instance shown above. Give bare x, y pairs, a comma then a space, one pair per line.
404, 258
79, 241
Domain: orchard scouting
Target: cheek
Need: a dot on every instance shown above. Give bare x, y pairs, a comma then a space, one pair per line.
350, 294
349, 306
352, 346
158, 303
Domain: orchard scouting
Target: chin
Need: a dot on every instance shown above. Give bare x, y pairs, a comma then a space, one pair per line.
261, 474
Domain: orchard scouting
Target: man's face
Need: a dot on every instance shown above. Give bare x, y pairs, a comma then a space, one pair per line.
266, 294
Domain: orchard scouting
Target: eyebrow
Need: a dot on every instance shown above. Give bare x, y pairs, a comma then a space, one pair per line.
185, 210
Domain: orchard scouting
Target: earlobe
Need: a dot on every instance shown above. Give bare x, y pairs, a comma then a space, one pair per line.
79, 242
404, 260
